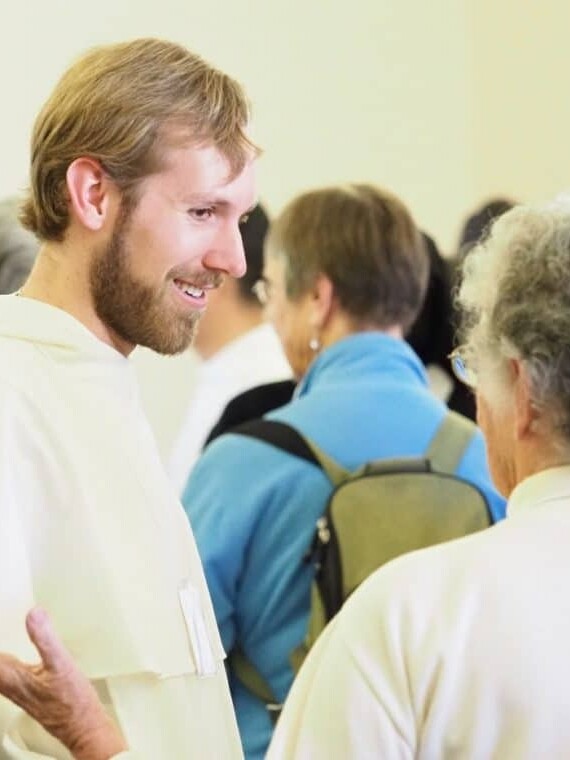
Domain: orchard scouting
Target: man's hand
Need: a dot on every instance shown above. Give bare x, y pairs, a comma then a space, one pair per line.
59, 696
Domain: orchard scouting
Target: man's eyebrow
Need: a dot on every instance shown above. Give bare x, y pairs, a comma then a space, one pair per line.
202, 199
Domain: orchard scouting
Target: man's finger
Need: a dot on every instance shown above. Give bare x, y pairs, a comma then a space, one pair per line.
40, 630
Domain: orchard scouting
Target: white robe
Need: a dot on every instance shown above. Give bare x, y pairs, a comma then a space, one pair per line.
457, 652
92, 530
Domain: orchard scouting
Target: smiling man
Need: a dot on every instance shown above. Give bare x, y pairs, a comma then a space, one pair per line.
141, 172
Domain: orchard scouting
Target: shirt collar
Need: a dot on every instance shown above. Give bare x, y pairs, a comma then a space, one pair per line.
371, 351
27, 319
542, 488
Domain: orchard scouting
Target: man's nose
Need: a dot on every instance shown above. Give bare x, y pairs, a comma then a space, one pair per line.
228, 254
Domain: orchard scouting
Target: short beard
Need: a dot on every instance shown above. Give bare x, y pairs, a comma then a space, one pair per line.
136, 312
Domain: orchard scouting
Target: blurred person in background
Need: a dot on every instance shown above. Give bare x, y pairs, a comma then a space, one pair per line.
18, 248
238, 349
478, 223
431, 337
475, 227
344, 277
461, 650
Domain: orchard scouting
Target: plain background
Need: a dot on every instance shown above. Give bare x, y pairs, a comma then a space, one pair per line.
445, 102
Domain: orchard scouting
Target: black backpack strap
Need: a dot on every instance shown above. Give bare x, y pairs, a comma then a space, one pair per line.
280, 435
286, 438
252, 404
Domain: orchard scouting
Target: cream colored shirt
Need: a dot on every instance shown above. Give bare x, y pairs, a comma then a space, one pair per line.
254, 358
458, 651
92, 530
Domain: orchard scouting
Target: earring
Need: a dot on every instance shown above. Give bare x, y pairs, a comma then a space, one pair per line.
314, 344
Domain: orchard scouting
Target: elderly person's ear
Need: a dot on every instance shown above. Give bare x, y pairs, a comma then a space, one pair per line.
323, 301
526, 413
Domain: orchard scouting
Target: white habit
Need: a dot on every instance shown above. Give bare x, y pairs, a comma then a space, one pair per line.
92, 531
458, 651
254, 358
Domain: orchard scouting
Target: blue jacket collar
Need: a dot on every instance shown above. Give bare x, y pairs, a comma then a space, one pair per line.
374, 352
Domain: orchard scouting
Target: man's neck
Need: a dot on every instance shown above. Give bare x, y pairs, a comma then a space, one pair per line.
58, 280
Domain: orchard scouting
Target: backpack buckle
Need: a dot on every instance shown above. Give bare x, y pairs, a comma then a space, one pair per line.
317, 551
274, 709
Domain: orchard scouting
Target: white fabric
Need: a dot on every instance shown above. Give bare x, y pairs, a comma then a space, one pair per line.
93, 532
252, 359
440, 383
458, 651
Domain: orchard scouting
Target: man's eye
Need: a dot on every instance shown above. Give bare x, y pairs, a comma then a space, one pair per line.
201, 214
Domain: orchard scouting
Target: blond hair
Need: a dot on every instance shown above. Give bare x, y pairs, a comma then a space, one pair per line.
122, 105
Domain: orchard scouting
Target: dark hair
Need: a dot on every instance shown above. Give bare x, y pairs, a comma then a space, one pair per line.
478, 223
431, 335
253, 232
365, 241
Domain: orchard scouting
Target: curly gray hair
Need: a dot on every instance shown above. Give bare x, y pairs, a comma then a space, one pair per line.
515, 301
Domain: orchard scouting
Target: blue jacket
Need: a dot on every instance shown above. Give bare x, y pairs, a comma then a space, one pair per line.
253, 507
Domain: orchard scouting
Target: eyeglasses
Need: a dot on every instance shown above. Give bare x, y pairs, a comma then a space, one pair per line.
262, 290
462, 371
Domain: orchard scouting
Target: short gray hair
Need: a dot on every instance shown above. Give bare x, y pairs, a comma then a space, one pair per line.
515, 302
365, 241
18, 248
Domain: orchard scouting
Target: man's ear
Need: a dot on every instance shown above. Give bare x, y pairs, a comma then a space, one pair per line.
90, 192
323, 301
526, 413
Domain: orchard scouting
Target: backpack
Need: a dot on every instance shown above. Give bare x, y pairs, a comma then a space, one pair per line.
383, 509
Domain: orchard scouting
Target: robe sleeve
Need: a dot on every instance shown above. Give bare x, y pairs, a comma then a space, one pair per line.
351, 697
16, 592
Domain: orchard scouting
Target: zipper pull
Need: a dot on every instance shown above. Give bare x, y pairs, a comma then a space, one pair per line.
316, 553
323, 531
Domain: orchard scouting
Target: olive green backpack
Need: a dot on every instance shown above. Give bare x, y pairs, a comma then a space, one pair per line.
383, 509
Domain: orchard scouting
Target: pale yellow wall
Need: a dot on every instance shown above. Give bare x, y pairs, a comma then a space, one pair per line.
366, 90
444, 101
521, 68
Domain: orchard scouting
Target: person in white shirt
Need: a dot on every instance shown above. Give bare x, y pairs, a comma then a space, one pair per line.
141, 173
237, 348
18, 248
